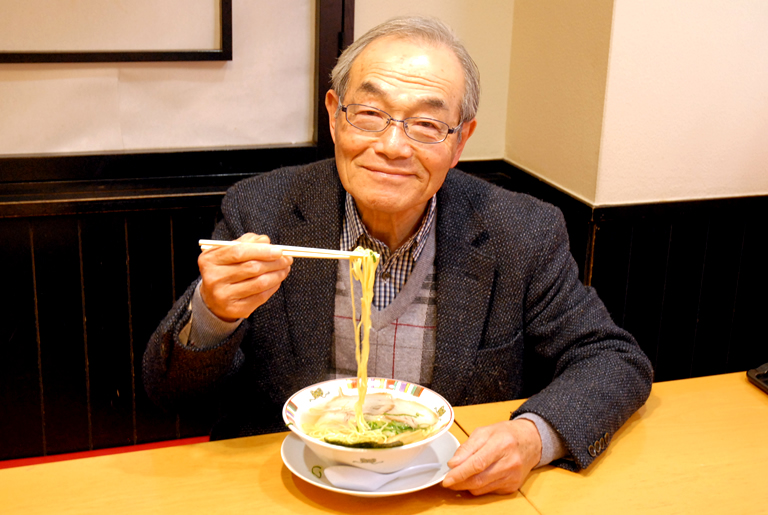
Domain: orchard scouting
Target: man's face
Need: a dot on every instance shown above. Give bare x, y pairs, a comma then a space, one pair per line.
388, 174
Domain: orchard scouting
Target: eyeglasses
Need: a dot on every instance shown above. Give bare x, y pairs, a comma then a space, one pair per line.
423, 130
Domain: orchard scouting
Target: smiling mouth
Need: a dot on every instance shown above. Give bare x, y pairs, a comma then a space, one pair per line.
390, 173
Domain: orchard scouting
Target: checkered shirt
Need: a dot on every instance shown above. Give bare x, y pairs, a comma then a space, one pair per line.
395, 267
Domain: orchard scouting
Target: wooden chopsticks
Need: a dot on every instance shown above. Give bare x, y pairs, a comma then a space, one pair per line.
304, 252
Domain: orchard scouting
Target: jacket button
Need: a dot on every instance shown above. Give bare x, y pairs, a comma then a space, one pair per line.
592, 451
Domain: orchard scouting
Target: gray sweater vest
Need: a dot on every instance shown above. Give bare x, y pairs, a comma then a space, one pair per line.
402, 334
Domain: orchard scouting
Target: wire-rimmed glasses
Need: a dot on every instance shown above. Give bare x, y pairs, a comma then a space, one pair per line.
418, 128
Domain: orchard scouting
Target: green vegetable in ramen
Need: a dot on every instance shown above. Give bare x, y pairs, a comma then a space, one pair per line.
389, 421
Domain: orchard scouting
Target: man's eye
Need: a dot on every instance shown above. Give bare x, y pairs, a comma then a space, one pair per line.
369, 112
425, 124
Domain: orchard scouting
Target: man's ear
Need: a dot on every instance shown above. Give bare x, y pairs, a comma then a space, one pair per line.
466, 131
332, 106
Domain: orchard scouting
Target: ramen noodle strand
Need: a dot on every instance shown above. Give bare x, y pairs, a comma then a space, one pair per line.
364, 270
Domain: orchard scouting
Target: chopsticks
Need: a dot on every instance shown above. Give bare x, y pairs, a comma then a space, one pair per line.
304, 252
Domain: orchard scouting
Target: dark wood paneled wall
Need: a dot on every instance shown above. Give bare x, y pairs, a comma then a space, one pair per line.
94, 250
87, 282
86, 293
92, 263
688, 279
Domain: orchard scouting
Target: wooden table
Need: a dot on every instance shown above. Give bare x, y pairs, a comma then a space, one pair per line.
697, 446
244, 475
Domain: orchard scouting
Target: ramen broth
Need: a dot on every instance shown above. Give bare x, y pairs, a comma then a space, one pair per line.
391, 421
367, 420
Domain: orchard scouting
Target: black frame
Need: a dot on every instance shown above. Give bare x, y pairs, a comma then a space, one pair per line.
222, 54
66, 184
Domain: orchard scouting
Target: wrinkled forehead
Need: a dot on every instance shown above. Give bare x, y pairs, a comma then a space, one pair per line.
391, 66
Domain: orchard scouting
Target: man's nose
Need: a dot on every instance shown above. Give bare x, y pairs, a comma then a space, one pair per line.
393, 142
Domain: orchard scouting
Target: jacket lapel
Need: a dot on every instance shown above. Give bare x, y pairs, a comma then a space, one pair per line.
464, 274
310, 288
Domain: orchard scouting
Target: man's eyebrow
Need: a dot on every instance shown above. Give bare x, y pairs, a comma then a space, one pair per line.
371, 88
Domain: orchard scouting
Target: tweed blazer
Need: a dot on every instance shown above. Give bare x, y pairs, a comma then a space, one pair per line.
513, 319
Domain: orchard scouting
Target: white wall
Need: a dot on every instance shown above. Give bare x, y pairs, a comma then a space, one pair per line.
684, 99
485, 28
558, 67
686, 108
264, 96
682, 111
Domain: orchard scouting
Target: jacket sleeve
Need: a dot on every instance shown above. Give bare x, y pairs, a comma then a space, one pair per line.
601, 376
177, 375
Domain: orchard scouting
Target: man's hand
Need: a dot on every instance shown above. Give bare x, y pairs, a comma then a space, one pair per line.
495, 458
238, 279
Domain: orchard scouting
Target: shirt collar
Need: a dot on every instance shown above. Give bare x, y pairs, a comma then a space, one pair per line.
353, 229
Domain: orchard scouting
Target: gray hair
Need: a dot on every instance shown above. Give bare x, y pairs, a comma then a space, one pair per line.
419, 28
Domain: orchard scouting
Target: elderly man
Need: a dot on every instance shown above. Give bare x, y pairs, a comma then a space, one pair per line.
477, 295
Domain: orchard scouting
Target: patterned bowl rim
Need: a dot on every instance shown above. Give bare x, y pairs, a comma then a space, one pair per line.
375, 385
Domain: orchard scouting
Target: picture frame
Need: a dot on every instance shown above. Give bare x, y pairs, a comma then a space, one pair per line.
141, 33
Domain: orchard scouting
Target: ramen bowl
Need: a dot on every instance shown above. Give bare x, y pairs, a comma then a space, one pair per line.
296, 412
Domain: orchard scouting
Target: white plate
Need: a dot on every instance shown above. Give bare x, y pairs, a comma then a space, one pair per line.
301, 461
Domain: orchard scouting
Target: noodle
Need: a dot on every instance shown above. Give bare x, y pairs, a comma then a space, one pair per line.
389, 421
378, 419
364, 270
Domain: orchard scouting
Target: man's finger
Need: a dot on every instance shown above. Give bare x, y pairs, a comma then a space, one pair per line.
256, 284
254, 238
253, 250
483, 458
475, 442
227, 251
244, 307
501, 486
214, 273
231, 301
490, 469
236, 254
